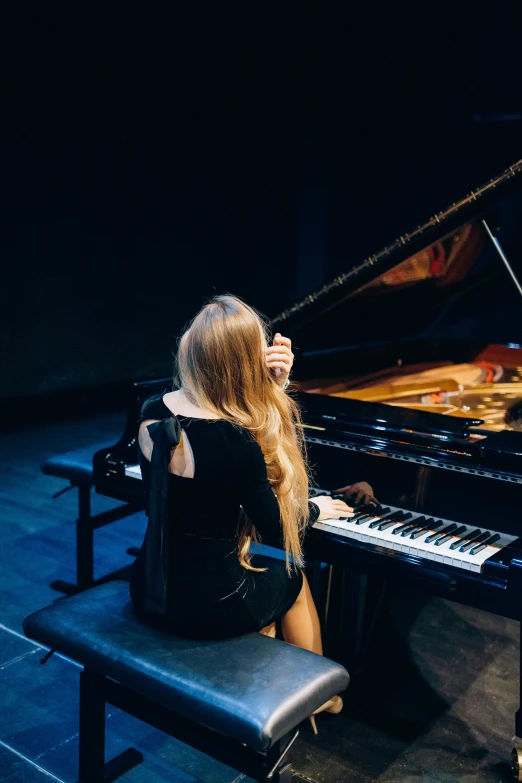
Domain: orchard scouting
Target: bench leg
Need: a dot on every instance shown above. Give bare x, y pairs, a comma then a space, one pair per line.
277, 760
84, 540
92, 767
92, 729
84, 547
85, 527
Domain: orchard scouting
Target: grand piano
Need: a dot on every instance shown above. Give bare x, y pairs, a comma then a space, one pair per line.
409, 375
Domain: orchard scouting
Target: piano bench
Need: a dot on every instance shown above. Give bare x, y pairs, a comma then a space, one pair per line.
238, 700
76, 467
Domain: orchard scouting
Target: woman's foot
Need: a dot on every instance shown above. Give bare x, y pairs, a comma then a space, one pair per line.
334, 706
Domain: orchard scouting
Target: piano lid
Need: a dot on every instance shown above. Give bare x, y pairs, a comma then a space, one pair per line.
332, 412
420, 269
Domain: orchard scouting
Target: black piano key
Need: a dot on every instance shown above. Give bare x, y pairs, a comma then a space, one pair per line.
360, 514
394, 519
366, 518
389, 523
457, 532
384, 514
478, 540
430, 524
472, 536
487, 542
419, 522
359, 508
442, 532
406, 530
404, 518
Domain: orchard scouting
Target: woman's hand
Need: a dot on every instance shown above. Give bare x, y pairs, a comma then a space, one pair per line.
332, 509
362, 491
279, 358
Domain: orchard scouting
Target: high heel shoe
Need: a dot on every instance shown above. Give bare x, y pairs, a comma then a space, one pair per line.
334, 706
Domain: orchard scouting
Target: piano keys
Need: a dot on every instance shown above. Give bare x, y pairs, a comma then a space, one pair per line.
134, 471
420, 545
384, 528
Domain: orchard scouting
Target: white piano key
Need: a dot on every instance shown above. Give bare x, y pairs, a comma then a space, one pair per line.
134, 471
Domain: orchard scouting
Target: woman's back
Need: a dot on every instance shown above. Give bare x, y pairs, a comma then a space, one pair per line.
222, 470
203, 497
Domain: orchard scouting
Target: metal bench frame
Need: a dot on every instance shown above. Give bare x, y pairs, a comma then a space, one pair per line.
86, 524
96, 691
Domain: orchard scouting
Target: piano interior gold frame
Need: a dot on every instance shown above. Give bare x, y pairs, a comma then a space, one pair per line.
478, 381
487, 386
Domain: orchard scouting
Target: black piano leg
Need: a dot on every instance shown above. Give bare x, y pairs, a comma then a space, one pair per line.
515, 589
354, 609
518, 714
516, 753
318, 581
355, 592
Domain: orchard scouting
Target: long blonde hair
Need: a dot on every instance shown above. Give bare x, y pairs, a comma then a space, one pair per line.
221, 366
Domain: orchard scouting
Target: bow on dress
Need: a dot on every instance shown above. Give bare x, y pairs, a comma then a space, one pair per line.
165, 435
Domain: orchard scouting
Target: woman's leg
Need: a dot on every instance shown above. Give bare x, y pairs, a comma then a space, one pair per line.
301, 627
269, 630
301, 623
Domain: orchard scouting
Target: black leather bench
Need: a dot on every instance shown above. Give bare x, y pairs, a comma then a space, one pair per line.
239, 700
76, 468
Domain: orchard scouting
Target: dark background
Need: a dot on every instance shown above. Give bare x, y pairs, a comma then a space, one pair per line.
154, 155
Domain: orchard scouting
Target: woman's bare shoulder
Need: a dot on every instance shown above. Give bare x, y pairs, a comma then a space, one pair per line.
178, 404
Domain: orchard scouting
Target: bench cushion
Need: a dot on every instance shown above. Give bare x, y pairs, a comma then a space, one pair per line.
75, 466
251, 688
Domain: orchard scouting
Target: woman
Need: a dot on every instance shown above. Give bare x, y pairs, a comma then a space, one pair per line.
227, 445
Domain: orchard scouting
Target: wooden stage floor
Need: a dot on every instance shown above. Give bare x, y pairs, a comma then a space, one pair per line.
437, 702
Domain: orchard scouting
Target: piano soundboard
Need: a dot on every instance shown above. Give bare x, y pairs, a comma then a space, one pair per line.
411, 533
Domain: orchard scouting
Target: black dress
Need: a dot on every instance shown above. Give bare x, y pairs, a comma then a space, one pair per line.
187, 577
